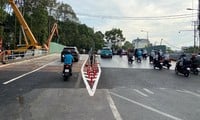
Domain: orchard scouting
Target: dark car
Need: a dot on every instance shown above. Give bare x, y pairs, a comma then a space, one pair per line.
106, 53
73, 50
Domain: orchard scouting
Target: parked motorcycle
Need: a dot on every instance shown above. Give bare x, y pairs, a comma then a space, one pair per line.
67, 72
184, 69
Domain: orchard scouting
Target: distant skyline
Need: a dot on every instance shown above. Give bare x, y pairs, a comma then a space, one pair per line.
161, 19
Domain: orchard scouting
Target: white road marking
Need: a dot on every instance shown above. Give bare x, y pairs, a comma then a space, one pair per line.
141, 93
90, 90
147, 90
198, 91
189, 92
113, 107
180, 90
26, 74
162, 88
26, 60
147, 107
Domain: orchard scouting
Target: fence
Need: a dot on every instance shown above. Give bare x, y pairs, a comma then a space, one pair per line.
13, 55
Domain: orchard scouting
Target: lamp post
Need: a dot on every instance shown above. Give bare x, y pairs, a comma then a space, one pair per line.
147, 33
161, 41
198, 19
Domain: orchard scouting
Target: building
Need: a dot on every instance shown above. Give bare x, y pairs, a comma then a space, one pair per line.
140, 43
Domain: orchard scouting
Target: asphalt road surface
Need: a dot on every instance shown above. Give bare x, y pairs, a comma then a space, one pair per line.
35, 90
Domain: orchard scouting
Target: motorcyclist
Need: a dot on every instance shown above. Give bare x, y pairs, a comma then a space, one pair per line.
157, 59
130, 54
194, 62
152, 56
68, 60
166, 58
144, 54
120, 52
182, 62
139, 55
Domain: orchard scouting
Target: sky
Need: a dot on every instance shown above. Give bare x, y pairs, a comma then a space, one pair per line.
163, 20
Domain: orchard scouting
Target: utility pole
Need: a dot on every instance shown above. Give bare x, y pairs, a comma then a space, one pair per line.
194, 50
199, 21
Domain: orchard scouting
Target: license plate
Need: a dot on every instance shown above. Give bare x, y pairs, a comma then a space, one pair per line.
66, 70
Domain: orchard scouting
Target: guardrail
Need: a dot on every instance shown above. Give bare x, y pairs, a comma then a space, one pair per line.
13, 55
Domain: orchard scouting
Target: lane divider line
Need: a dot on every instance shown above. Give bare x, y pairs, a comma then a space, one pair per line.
113, 106
141, 93
14, 79
148, 91
189, 92
146, 107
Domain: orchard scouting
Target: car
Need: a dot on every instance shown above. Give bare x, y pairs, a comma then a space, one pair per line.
74, 51
106, 53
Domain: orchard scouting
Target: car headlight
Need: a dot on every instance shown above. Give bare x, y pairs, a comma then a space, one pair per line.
198, 69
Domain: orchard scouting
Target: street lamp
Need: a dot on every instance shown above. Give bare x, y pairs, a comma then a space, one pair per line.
161, 41
198, 19
147, 33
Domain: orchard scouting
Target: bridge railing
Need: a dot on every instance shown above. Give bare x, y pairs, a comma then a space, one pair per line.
13, 55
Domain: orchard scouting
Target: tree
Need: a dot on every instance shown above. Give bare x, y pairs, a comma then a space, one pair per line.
98, 39
114, 36
65, 12
3, 16
127, 45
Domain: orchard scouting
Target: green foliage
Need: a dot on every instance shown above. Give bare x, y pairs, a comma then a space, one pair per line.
115, 35
40, 15
40, 24
98, 39
191, 50
127, 45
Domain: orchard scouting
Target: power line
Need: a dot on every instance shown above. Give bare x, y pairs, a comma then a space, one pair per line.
178, 16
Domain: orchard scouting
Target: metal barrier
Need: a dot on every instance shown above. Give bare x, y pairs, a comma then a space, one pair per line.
13, 55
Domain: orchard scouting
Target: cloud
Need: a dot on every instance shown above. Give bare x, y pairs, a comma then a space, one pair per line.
166, 29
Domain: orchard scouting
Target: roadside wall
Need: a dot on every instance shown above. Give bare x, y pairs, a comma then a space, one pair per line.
56, 48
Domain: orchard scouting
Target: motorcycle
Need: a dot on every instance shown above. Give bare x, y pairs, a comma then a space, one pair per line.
195, 70
157, 64
144, 56
130, 60
166, 64
139, 59
184, 69
150, 59
67, 71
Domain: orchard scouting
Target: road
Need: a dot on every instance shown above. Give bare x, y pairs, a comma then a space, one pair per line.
34, 90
